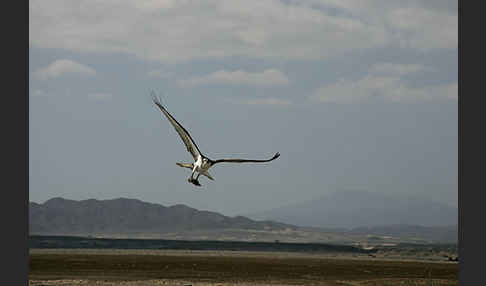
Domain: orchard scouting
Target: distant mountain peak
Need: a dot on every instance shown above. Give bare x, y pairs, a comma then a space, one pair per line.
349, 208
180, 206
55, 199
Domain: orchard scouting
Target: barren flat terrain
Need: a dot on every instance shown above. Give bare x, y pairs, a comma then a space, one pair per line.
204, 268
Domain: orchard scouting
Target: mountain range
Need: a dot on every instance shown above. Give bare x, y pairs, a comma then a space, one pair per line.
333, 219
352, 208
124, 216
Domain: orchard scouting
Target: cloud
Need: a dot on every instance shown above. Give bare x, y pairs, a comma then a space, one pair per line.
269, 77
414, 24
389, 88
268, 101
423, 29
62, 67
398, 69
172, 31
385, 81
159, 74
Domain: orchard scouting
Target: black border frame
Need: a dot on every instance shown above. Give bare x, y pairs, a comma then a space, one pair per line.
15, 118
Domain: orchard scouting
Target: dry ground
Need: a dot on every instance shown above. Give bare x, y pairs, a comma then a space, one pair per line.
205, 268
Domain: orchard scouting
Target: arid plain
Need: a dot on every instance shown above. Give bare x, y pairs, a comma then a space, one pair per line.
204, 268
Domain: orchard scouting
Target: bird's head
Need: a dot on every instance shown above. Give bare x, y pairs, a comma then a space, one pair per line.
207, 161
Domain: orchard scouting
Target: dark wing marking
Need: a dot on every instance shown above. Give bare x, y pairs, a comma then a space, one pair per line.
245, 160
186, 138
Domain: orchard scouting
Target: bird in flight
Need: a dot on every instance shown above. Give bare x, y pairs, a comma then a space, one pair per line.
201, 163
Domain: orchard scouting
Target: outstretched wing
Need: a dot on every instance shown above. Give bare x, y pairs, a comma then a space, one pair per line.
245, 160
186, 138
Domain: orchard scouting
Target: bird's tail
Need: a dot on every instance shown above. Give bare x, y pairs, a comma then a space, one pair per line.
185, 165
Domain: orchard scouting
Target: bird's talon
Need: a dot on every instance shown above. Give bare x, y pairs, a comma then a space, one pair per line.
194, 181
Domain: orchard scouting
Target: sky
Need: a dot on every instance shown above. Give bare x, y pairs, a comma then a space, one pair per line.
358, 95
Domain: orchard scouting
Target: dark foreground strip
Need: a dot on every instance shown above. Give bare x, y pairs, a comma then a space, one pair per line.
229, 268
111, 243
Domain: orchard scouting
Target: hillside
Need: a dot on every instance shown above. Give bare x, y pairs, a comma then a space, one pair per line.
131, 216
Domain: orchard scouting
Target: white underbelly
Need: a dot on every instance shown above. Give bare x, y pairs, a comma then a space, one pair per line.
201, 166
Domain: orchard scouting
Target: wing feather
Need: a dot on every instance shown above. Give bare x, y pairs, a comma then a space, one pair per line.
186, 138
246, 160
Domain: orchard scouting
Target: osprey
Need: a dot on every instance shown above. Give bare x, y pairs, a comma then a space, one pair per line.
201, 163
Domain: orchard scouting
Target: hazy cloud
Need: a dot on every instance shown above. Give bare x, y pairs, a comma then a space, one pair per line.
269, 77
424, 29
398, 69
414, 24
159, 74
268, 101
386, 81
187, 30
61, 67
385, 87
